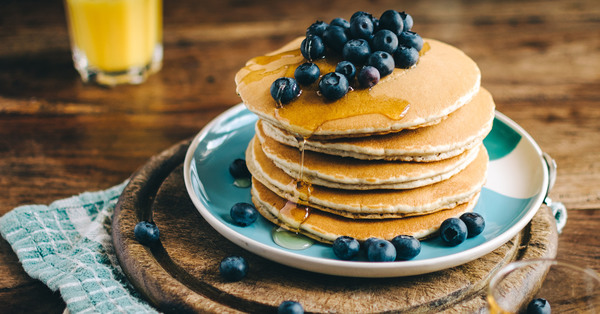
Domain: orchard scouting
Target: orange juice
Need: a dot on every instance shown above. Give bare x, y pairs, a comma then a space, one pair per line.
115, 35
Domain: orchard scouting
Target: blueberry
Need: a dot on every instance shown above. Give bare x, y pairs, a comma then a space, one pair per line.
307, 73
361, 27
243, 214
238, 169
312, 47
408, 21
410, 39
405, 57
381, 251
284, 90
317, 28
335, 38
347, 69
539, 306
368, 243
368, 76
338, 21
146, 233
382, 61
233, 268
356, 51
290, 307
391, 20
345, 247
384, 40
453, 231
407, 247
475, 223
333, 86
358, 14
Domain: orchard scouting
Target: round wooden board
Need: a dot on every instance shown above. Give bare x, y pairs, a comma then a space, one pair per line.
180, 274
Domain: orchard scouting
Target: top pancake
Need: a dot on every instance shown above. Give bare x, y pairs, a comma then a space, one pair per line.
442, 81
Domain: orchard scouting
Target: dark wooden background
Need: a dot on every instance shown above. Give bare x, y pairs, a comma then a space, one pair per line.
60, 137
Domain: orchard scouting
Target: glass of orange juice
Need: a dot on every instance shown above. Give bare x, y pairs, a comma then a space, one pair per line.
544, 286
115, 41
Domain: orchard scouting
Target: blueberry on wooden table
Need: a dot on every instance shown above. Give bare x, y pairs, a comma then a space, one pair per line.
146, 233
290, 307
233, 268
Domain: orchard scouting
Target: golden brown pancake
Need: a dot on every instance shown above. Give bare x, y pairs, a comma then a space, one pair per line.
326, 227
375, 204
443, 80
356, 174
461, 130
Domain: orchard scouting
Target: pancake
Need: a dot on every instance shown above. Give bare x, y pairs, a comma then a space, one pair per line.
326, 227
356, 174
443, 80
376, 204
461, 130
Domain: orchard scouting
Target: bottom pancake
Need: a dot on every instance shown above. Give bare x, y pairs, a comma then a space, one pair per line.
326, 227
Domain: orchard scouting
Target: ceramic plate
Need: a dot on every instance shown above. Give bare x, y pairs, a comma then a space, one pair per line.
516, 186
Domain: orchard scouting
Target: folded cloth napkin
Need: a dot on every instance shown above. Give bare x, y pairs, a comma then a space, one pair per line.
67, 245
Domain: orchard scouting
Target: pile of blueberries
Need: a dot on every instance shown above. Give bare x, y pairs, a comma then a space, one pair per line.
370, 48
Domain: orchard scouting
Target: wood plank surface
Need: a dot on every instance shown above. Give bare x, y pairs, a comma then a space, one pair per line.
60, 137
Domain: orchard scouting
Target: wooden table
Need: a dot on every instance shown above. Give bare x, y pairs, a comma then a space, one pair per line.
60, 137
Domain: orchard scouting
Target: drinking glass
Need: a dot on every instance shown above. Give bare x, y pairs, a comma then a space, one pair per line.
115, 41
566, 287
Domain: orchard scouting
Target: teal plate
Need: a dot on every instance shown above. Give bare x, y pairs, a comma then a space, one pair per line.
516, 186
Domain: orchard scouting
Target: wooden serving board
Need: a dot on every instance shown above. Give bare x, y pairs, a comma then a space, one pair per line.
181, 273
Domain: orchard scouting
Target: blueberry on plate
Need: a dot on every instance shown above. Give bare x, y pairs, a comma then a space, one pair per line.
317, 28
539, 306
382, 61
284, 90
407, 247
384, 40
290, 307
356, 51
361, 27
381, 251
368, 242
408, 20
475, 223
146, 233
391, 20
335, 37
345, 247
307, 73
338, 21
312, 47
368, 76
233, 268
347, 69
405, 57
410, 39
243, 214
333, 86
453, 231
238, 169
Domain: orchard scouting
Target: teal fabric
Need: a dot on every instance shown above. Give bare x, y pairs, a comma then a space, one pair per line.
67, 245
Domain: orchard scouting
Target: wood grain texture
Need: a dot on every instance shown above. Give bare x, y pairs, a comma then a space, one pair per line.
181, 273
60, 137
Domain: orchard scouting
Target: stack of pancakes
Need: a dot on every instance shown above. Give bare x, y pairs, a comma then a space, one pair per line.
396, 159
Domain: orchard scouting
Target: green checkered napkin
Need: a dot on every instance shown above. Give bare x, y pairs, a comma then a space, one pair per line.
67, 246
